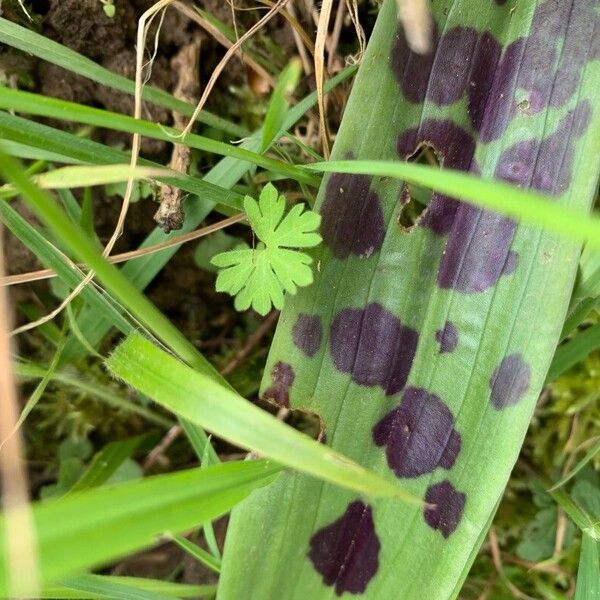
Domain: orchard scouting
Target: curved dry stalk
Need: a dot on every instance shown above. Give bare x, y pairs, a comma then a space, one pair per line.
21, 548
42, 274
143, 24
360, 32
323, 25
214, 32
223, 62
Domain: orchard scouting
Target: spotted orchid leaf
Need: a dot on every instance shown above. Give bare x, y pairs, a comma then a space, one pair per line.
423, 347
259, 276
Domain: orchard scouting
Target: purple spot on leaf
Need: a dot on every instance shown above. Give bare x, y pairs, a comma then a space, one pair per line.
307, 333
546, 165
455, 147
411, 70
510, 381
282, 377
346, 552
419, 434
447, 337
453, 63
373, 346
477, 250
492, 113
547, 65
352, 220
448, 507
485, 62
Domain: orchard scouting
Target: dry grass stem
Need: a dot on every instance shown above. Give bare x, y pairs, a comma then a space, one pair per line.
228, 55
132, 254
417, 23
226, 42
21, 544
321, 39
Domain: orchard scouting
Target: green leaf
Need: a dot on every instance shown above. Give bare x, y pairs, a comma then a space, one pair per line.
258, 277
472, 292
286, 84
588, 575
33, 43
89, 529
107, 587
106, 462
195, 397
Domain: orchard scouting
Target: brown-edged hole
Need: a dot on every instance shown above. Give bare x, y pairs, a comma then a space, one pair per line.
414, 198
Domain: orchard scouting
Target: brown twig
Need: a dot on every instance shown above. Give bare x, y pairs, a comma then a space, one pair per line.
497, 560
132, 254
170, 215
322, 28
251, 342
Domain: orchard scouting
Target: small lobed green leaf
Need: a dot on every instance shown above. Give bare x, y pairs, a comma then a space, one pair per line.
258, 277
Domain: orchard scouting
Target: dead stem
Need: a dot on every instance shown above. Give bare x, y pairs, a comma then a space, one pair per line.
132, 254
170, 215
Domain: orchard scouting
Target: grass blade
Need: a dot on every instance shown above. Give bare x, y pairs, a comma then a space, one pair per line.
573, 351
30, 42
218, 409
198, 553
278, 106
92, 587
114, 280
529, 207
106, 462
85, 530
588, 575
35, 104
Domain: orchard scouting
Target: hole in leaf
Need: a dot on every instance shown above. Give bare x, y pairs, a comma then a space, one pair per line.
414, 198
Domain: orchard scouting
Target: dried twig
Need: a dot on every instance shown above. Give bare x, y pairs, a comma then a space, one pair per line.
322, 28
170, 215
132, 254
